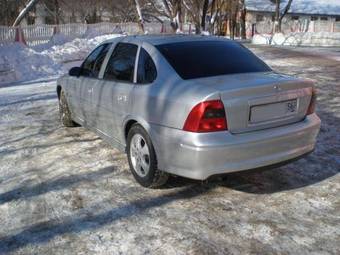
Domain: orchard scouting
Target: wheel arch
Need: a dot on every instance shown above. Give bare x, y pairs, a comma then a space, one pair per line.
59, 88
127, 128
130, 121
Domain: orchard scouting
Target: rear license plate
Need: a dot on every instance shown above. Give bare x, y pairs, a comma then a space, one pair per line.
267, 112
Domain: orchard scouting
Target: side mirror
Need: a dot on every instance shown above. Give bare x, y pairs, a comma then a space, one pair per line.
75, 71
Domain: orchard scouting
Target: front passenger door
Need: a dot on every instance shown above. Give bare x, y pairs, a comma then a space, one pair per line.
90, 80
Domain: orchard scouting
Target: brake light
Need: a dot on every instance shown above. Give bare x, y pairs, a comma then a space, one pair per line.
312, 104
208, 116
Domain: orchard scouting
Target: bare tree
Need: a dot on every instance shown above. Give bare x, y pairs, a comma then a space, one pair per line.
9, 10
229, 17
232, 10
24, 11
220, 16
140, 15
121, 10
204, 14
173, 10
215, 16
243, 14
279, 15
56, 12
197, 10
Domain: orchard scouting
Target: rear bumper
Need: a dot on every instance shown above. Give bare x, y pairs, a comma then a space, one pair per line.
200, 155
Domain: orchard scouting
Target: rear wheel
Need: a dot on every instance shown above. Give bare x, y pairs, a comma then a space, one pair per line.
64, 111
142, 159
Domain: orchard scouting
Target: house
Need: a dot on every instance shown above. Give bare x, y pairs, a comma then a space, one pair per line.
303, 16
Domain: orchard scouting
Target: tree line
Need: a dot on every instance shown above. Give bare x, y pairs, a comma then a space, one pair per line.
214, 16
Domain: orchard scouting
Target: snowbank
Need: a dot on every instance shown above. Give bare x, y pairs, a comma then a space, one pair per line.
57, 39
76, 49
299, 39
262, 39
20, 63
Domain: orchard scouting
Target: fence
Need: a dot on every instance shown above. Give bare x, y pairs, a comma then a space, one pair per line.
39, 34
289, 26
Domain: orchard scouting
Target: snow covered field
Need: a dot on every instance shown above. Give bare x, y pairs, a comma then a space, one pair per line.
64, 191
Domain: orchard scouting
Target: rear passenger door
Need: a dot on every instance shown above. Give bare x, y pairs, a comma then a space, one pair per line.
112, 97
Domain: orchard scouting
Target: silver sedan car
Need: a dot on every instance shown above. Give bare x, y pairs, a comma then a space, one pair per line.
193, 106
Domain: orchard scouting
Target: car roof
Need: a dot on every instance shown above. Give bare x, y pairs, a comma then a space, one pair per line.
167, 38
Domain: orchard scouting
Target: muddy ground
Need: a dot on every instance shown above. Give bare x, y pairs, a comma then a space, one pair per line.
65, 191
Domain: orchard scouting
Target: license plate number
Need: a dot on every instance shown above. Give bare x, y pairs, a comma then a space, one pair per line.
268, 112
291, 106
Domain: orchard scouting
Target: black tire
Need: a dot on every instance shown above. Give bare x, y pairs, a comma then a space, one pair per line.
154, 178
64, 111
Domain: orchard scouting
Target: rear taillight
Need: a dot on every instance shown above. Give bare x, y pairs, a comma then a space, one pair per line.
312, 104
208, 116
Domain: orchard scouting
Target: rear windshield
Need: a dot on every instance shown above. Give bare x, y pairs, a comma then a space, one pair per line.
198, 59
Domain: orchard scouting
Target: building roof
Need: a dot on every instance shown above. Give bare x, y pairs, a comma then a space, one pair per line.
313, 7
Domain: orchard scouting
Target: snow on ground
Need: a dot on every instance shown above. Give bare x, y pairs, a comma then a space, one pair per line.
77, 49
65, 191
325, 39
20, 63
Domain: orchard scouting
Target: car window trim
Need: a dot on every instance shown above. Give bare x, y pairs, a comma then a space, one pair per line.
136, 65
141, 47
106, 60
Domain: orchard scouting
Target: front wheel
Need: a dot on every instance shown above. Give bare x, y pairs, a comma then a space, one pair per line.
142, 159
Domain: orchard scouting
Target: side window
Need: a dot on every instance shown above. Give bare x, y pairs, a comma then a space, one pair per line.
100, 59
122, 63
146, 72
92, 64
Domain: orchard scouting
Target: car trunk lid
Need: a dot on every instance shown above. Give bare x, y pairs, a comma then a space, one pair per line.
256, 101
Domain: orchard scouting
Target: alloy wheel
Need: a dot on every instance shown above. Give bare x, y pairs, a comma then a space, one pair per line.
140, 155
